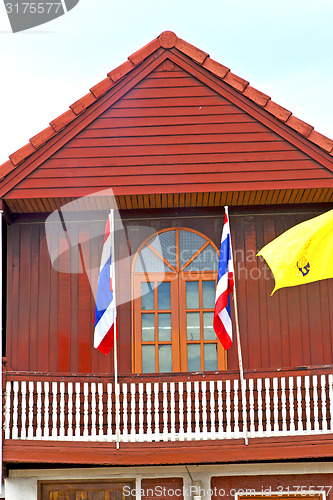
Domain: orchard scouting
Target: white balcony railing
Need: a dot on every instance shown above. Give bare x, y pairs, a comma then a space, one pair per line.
197, 407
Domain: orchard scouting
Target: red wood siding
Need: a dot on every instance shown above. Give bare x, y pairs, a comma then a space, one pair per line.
162, 488
172, 133
50, 314
293, 486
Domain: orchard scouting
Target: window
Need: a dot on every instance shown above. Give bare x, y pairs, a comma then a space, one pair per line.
76, 490
174, 276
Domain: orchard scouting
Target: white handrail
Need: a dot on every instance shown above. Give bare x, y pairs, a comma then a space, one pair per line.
168, 411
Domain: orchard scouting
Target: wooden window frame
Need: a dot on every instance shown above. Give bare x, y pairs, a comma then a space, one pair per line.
178, 276
73, 485
137, 319
221, 353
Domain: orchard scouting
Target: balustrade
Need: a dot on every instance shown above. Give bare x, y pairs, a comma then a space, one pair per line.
169, 407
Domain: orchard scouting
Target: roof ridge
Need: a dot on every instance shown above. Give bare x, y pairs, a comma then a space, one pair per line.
166, 40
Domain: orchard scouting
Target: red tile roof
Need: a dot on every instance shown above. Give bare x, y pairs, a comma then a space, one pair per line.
166, 40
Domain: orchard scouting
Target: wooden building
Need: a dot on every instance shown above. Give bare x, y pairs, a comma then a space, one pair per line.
169, 137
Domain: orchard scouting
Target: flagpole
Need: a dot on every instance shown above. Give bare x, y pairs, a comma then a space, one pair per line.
239, 349
116, 387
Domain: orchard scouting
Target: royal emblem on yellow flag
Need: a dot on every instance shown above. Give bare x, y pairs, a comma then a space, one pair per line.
302, 254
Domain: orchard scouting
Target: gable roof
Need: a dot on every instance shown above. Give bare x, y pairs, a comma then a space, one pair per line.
44, 144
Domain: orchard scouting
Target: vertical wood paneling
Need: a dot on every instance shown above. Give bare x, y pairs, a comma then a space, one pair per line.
263, 294
237, 233
35, 275
64, 304
124, 309
315, 322
295, 326
23, 345
11, 303
53, 319
50, 314
75, 269
95, 249
42, 271
328, 352
274, 351
281, 226
304, 312
252, 294
294, 317
84, 309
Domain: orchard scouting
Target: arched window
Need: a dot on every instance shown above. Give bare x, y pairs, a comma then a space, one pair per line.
174, 278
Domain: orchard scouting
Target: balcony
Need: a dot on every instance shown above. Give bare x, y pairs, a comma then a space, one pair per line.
170, 411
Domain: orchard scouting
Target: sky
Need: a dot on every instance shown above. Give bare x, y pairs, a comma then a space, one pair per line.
283, 48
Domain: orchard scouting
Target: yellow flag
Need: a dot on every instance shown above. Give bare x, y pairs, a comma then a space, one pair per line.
302, 254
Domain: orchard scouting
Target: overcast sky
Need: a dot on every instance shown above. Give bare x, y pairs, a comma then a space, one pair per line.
284, 48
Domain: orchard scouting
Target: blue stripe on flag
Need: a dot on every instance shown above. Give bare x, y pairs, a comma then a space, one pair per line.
224, 257
228, 307
104, 293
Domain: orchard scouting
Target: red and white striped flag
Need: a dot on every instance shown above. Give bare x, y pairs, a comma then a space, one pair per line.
105, 312
225, 285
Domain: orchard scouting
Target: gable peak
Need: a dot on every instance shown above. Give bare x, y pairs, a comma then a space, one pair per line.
167, 40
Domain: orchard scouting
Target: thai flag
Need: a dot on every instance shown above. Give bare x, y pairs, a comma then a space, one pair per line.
225, 286
105, 312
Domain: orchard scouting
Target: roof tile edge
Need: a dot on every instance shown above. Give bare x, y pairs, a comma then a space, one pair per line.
166, 40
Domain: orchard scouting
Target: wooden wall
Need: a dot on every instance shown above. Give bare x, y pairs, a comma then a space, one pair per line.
296, 486
172, 133
50, 314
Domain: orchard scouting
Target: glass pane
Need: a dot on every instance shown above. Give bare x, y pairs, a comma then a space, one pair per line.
148, 327
189, 243
210, 357
147, 261
164, 295
208, 294
193, 326
207, 260
193, 358
164, 327
165, 244
192, 294
147, 296
164, 359
148, 359
209, 333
